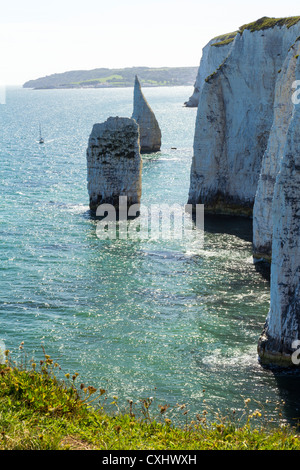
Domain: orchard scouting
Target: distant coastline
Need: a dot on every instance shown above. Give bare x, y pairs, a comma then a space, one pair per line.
116, 78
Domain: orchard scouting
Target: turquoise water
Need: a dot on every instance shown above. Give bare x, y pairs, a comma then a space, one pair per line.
139, 318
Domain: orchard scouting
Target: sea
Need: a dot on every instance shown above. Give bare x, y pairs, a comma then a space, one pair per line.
160, 321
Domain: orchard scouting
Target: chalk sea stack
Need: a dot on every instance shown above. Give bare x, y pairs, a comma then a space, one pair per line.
150, 133
114, 164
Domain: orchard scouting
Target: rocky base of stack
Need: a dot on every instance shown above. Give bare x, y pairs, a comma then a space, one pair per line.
222, 204
273, 352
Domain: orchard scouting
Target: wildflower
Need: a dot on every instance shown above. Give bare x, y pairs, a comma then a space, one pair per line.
181, 407
163, 409
91, 389
247, 401
67, 375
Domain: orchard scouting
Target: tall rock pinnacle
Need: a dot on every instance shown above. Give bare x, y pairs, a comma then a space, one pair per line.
150, 134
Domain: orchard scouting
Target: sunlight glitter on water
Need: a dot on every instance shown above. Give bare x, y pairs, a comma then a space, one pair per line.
137, 315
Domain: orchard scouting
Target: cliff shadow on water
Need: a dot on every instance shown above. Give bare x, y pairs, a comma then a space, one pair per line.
232, 225
288, 385
241, 227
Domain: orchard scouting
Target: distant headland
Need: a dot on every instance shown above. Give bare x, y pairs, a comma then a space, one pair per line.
113, 78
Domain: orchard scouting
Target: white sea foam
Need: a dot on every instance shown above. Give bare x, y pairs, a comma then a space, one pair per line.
243, 359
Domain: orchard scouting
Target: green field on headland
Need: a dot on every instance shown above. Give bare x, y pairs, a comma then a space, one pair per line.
112, 78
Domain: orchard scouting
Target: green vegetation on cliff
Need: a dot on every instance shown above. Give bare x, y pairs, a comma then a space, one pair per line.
224, 39
267, 23
112, 78
40, 412
258, 25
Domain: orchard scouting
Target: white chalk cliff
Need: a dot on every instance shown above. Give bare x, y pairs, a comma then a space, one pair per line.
114, 164
283, 323
213, 55
234, 119
150, 133
247, 162
283, 112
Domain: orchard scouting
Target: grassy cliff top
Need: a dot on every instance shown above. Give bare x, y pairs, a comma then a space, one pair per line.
40, 412
224, 39
267, 23
258, 25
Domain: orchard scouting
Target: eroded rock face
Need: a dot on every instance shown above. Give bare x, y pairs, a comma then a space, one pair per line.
114, 164
283, 323
234, 119
283, 112
150, 133
246, 151
213, 55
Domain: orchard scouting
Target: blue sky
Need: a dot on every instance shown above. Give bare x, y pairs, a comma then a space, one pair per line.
38, 38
